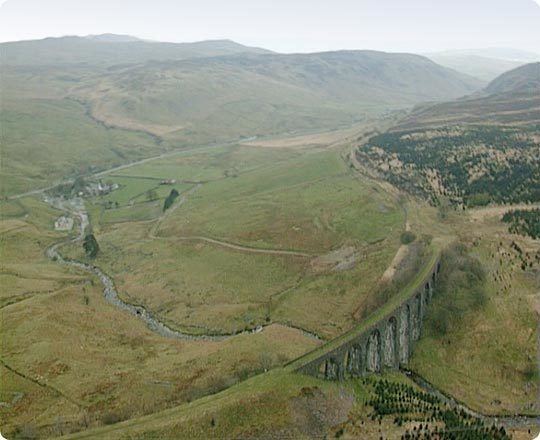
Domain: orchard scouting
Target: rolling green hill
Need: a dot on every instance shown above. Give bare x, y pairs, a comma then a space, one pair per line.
481, 67
109, 49
134, 99
521, 80
512, 98
246, 95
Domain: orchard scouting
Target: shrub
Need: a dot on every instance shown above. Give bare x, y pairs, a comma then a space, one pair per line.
460, 290
90, 246
408, 237
111, 417
170, 199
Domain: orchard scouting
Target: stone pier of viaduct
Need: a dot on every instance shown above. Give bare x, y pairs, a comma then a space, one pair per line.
381, 342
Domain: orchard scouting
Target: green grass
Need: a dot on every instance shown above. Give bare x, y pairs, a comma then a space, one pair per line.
276, 404
137, 212
46, 140
258, 404
308, 203
279, 199
208, 164
57, 327
129, 189
130, 202
487, 356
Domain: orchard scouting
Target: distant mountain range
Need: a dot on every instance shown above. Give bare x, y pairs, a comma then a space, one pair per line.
485, 64
121, 98
498, 53
113, 38
221, 89
512, 98
519, 81
396, 25
111, 49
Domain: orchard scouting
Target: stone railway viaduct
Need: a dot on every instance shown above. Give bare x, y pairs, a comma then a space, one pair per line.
383, 341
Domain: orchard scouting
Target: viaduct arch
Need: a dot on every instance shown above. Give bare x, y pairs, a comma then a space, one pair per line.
376, 344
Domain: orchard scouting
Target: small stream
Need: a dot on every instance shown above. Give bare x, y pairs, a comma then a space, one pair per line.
76, 208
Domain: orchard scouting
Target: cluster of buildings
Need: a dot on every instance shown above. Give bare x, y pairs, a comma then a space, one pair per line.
168, 182
93, 189
63, 223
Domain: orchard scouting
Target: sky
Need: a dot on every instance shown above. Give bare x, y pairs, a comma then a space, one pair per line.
287, 25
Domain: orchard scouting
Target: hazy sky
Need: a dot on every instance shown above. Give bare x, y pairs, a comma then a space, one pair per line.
287, 25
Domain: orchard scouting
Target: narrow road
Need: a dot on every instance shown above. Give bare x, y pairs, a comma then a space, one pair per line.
239, 247
479, 214
182, 200
121, 167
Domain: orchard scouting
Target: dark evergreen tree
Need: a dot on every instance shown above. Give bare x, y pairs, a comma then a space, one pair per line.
90, 246
170, 199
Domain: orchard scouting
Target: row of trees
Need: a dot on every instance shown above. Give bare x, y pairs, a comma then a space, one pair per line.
434, 418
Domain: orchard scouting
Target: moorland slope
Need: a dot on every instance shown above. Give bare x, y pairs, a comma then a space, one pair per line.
136, 99
511, 98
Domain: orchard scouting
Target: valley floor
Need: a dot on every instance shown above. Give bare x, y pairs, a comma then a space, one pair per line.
269, 246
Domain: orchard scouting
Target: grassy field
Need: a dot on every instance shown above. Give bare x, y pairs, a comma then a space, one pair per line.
45, 140
135, 190
303, 199
71, 361
273, 404
57, 328
309, 203
208, 164
193, 286
487, 358
136, 199
25, 230
287, 405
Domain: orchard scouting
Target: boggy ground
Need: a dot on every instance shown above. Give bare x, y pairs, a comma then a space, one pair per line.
70, 360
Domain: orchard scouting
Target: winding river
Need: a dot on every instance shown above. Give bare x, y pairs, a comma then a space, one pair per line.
75, 207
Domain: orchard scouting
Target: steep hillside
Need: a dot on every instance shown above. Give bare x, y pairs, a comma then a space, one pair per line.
521, 80
481, 67
474, 151
245, 95
176, 95
512, 98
